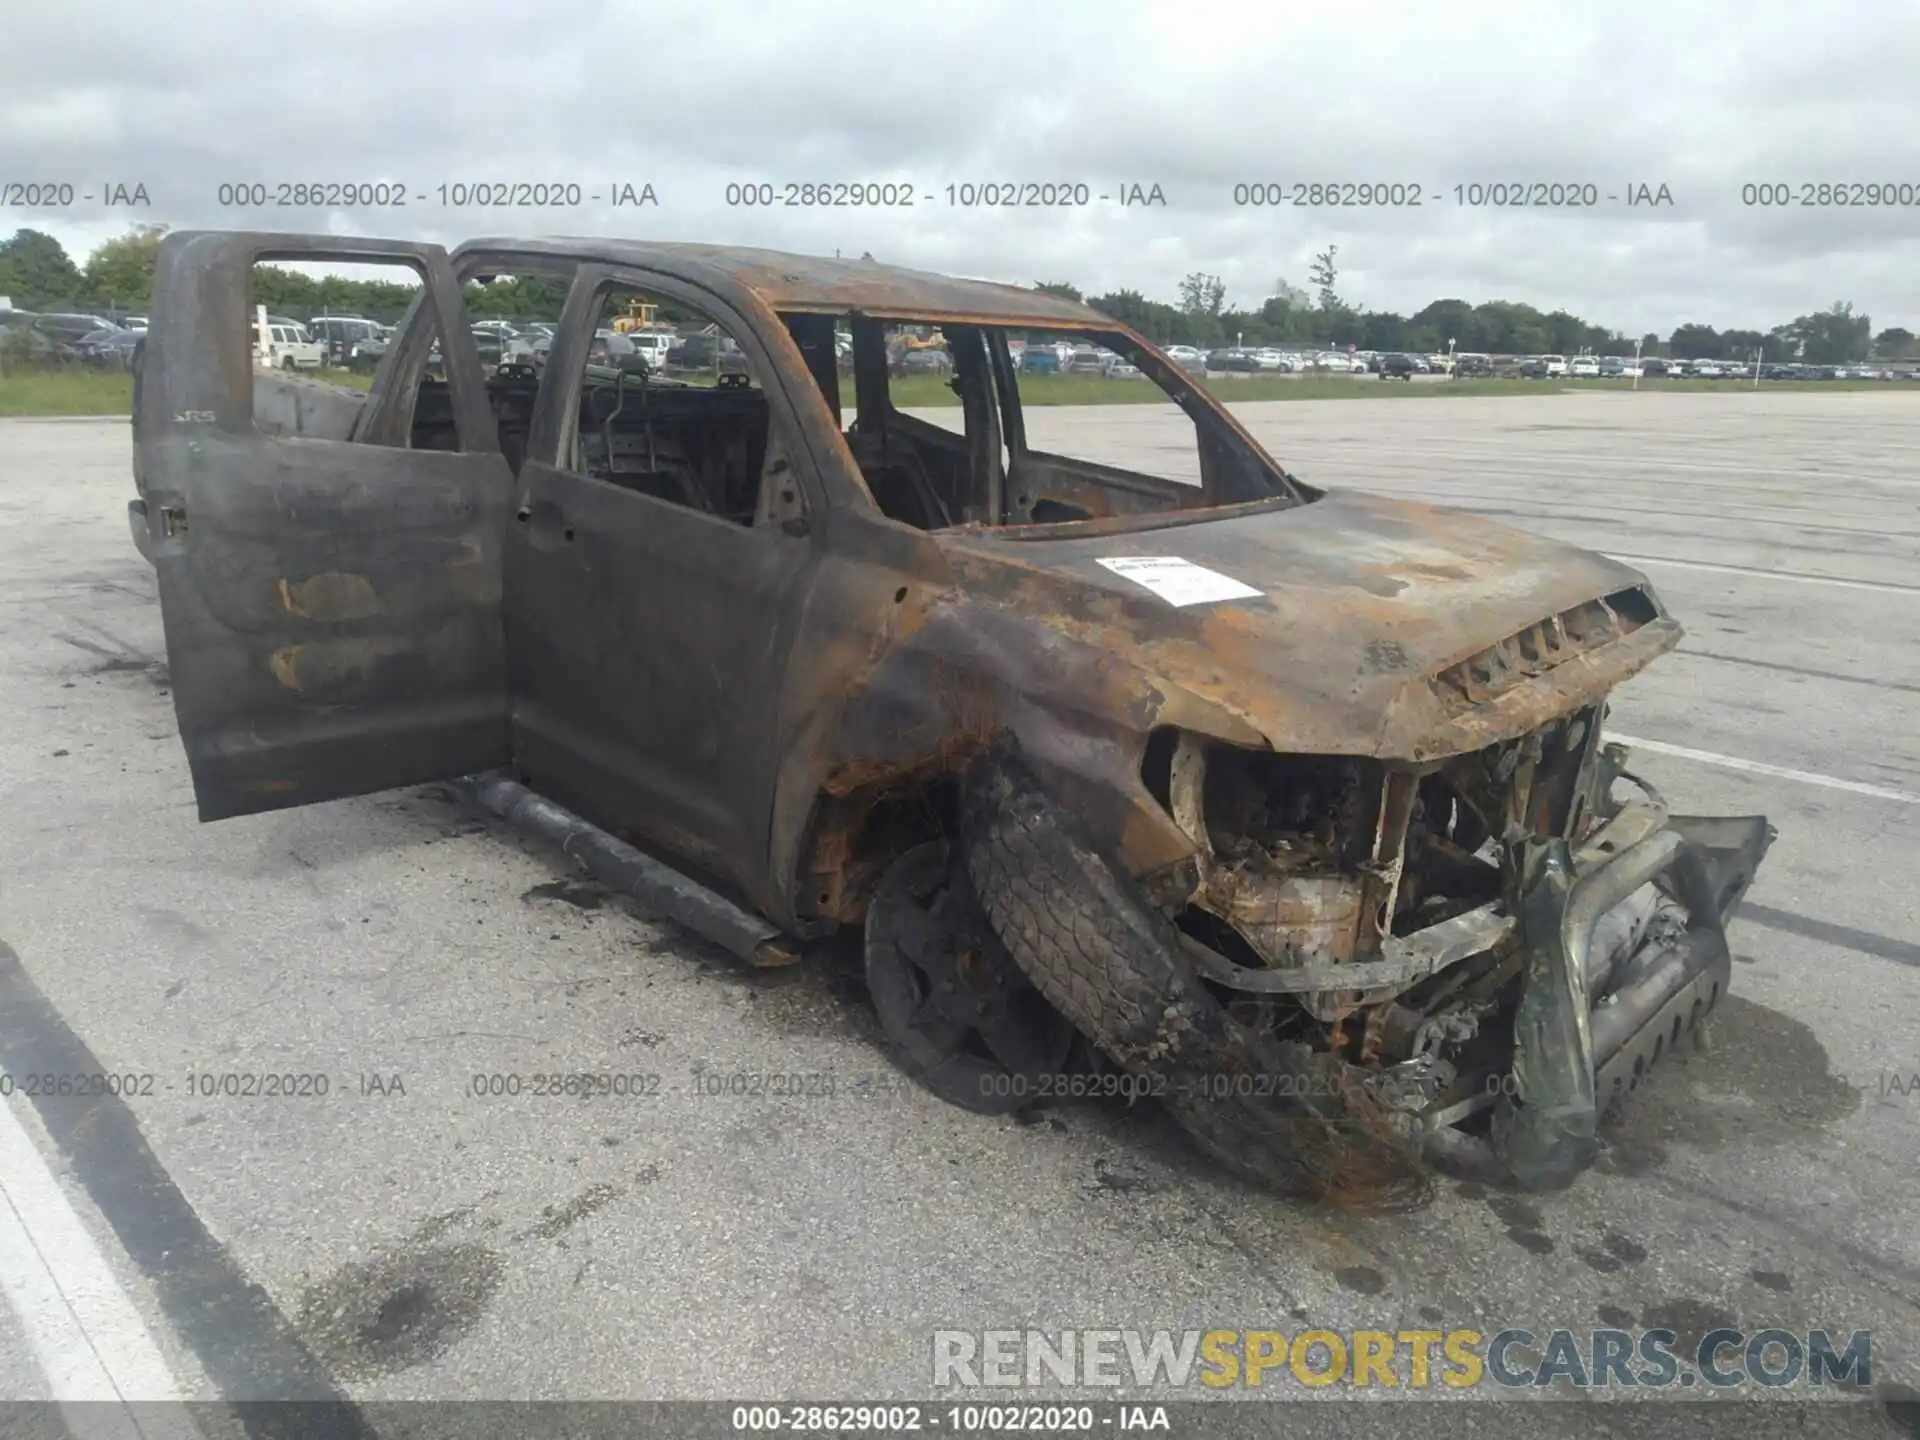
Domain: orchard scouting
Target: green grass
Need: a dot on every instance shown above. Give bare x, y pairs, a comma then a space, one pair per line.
110, 392
66, 392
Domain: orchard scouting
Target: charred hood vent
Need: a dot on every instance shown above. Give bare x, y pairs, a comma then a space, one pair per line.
1545, 644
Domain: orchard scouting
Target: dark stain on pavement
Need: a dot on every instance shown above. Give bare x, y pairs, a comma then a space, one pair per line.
1774, 1280
398, 1310
1688, 1318
1612, 1254
1526, 1226
581, 894
1766, 1080
1614, 1317
1361, 1279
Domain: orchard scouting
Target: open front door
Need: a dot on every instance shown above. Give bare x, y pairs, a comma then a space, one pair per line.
332, 606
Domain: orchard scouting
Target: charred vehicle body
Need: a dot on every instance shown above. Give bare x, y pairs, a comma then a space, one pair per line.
1295, 805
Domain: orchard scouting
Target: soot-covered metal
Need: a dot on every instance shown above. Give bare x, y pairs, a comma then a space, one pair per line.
1293, 803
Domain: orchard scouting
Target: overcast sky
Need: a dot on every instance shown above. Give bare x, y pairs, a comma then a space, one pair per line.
1702, 98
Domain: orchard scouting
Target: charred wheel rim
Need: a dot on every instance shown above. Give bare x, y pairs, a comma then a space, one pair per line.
1114, 965
958, 1014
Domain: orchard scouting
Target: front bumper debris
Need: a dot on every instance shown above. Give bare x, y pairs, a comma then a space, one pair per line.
1575, 1052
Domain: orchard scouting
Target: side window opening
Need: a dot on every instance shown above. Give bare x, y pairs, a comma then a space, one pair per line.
331, 322
671, 406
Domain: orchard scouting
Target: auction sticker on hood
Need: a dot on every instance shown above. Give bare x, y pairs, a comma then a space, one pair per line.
1177, 581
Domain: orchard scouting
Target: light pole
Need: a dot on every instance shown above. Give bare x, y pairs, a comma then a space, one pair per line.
1637, 345
1449, 354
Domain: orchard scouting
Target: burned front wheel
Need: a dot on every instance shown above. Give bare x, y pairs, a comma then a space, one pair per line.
1276, 1111
957, 1013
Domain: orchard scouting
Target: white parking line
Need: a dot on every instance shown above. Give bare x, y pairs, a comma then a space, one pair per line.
1760, 767
90, 1341
1883, 587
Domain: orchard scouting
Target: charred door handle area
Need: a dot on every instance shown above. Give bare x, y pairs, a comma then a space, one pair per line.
546, 525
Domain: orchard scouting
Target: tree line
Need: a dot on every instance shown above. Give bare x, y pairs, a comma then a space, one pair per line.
38, 274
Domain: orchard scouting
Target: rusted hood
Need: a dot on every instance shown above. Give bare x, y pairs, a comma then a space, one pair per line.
1362, 604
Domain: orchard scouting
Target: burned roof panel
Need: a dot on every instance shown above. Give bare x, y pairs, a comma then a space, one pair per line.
821, 283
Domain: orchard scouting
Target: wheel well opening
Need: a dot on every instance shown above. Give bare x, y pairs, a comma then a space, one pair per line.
857, 835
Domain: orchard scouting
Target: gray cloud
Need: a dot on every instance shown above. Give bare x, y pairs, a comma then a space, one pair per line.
1701, 98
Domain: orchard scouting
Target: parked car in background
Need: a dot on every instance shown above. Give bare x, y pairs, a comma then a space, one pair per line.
290, 347
652, 346
71, 329
1123, 370
92, 348
1396, 367
610, 348
1232, 359
1040, 359
342, 334
25, 346
1472, 367
1552, 366
707, 352
116, 350
530, 346
1583, 367
1085, 360
367, 353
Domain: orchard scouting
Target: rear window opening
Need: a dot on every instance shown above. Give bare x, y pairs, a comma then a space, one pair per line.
959, 426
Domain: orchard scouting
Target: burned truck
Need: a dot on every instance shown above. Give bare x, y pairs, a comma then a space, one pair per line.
1139, 767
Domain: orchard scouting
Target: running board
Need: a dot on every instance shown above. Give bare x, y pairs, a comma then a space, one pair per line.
656, 886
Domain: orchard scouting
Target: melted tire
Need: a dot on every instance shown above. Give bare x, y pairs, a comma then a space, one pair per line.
1277, 1113
990, 1049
